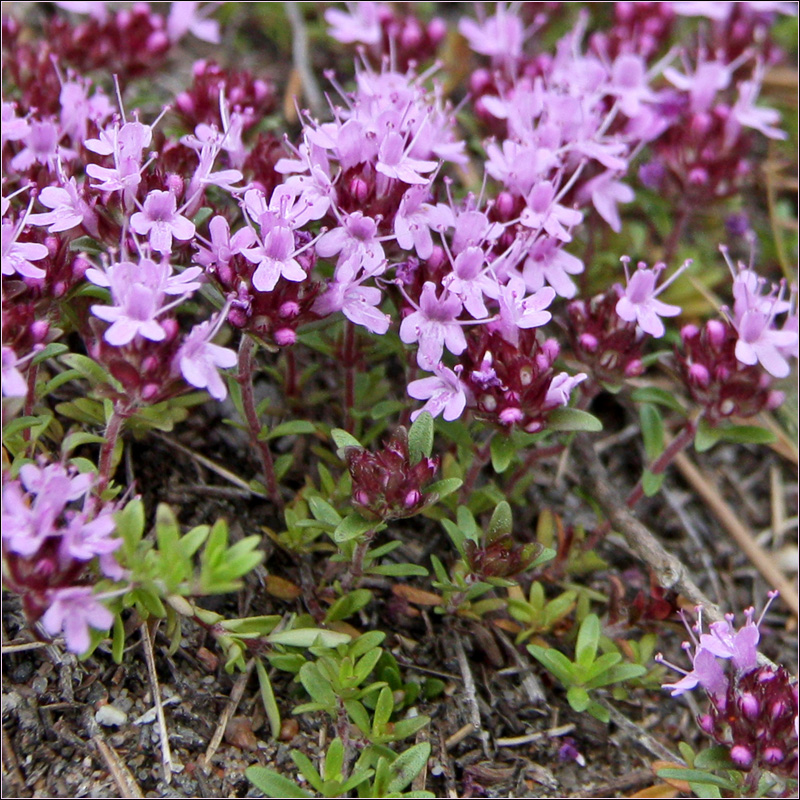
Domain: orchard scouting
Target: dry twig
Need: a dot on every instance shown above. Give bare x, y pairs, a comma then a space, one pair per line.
230, 709
126, 783
671, 573
166, 755
763, 561
300, 57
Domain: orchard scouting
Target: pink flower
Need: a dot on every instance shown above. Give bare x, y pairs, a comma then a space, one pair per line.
184, 18
69, 209
160, 220
199, 359
74, 610
14, 383
17, 257
360, 304
638, 303
362, 24
434, 325
444, 392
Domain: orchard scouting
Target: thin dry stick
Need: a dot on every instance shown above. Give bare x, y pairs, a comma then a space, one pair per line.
166, 755
300, 57
670, 571
763, 561
230, 709
10, 762
640, 735
469, 685
119, 772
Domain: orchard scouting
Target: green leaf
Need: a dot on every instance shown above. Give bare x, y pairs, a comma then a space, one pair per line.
578, 698
268, 699
77, 439
444, 487
91, 370
599, 712
365, 643
383, 711
52, 350
705, 437
292, 428
652, 394
408, 727
588, 639
399, 570
746, 434
352, 526
308, 637
573, 419
695, 776
272, 784
651, 483
343, 440
356, 711
408, 765
652, 430
324, 511
502, 450
348, 605
555, 661
317, 686
500, 523
334, 760
118, 639
420, 437
718, 757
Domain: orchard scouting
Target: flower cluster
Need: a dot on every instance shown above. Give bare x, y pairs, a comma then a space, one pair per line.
386, 484
753, 709
54, 530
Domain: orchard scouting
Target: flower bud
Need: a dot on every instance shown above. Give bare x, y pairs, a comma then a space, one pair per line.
551, 349
716, 332
149, 391
285, 337
511, 415
412, 498
699, 374
479, 81
773, 755
741, 756
689, 332
588, 342
706, 723
359, 189
749, 705
633, 368
39, 330
175, 184
436, 30
289, 310
505, 205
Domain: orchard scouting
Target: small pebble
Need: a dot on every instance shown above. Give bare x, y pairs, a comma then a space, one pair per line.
110, 716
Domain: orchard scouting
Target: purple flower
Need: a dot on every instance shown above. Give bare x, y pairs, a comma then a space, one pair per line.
638, 301
69, 209
184, 18
74, 610
14, 383
518, 311
561, 387
500, 37
362, 24
412, 221
17, 257
199, 360
138, 292
360, 304
444, 392
357, 241
395, 161
41, 147
434, 325
161, 221
605, 193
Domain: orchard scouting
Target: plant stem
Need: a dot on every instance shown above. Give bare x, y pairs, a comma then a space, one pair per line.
113, 430
357, 562
245, 379
671, 244
348, 359
291, 374
665, 459
532, 457
479, 460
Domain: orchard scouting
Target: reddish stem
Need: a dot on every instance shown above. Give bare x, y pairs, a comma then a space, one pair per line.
112, 433
245, 379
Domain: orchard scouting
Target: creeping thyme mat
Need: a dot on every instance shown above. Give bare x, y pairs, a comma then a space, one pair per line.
399, 400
